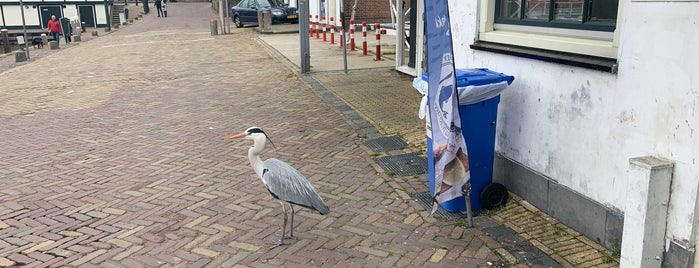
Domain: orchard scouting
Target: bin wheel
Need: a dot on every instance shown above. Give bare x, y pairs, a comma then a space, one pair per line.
494, 195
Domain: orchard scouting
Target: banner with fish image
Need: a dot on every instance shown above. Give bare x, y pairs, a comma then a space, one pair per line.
451, 169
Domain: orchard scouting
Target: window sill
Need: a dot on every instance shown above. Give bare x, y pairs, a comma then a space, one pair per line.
551, 41
584, 61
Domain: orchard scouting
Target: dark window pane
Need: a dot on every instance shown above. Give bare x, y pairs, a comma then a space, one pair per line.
603, 10
568, 10
537, 10
510, 9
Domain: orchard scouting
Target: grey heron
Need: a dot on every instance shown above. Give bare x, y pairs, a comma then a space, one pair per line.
283, 182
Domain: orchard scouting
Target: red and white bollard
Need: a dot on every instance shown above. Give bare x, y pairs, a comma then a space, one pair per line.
364, 45
317, 28
332, 30
351, 35
310, 22
342, 35
325, 37
378, 41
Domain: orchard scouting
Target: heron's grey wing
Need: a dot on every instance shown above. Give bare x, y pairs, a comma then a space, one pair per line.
288, 184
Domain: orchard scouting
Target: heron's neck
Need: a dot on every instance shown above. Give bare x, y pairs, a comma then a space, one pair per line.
254, 156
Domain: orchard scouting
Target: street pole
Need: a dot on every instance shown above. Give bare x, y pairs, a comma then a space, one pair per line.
226, 16
24, 29
304, 45
220, 16
106, 14
342, 33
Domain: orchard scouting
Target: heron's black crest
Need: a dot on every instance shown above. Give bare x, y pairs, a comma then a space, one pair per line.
253, 130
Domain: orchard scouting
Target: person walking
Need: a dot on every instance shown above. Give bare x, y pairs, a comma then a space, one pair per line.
159, 7
164, 6
54, 28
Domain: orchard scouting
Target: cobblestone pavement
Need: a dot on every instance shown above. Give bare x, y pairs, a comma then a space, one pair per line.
388, 100
118, 160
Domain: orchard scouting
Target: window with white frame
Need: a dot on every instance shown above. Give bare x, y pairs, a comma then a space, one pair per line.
584, 27
595, 15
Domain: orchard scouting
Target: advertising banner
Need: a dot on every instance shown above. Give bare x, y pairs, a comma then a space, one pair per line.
452, 176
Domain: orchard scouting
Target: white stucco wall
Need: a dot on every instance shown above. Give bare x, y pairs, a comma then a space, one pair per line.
70, 11
13, 15
314, 8
100, 16
332, 9
580, 126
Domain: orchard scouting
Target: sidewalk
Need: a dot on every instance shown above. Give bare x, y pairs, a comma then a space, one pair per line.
7, 60
387, 100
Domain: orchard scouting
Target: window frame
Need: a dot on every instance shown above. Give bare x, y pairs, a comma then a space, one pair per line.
577, 41
551, 22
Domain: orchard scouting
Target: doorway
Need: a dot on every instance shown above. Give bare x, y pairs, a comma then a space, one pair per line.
87, 15
47, 11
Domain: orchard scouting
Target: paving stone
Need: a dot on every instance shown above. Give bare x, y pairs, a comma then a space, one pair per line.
38, 246
244, 246
6, 262
438, 255
205, 252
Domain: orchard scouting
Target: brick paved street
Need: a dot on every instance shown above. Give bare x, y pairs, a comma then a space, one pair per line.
119, 160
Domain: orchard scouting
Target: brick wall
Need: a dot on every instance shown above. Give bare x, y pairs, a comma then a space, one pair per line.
372, 11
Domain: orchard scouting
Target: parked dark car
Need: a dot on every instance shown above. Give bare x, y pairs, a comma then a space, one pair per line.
245, 12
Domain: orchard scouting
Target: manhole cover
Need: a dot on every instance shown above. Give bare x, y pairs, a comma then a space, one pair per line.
403, 164
386, 144
425, 199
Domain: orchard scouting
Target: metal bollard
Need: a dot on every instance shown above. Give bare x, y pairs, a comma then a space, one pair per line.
317, 28
351, 35
332, 30
364, 44
325, 35
378, 41
310, 23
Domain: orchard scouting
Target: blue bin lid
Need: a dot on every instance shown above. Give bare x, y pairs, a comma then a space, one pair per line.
477, 77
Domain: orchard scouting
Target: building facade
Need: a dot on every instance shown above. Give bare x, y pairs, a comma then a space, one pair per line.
38, 13
370, 11
598, 84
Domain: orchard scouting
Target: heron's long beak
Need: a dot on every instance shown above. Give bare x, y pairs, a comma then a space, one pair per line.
236, 136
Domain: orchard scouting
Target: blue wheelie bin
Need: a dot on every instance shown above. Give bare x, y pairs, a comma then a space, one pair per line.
479, 96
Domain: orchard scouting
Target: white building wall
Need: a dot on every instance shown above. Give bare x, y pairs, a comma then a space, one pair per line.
335, 11
331, 9
659, 63
13, 15
70, 11
580, 126
99, 15
314, 8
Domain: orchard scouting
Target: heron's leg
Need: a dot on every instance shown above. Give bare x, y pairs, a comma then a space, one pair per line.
291, 231
281, 237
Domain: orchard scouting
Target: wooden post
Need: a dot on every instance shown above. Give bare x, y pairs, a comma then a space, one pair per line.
6, 41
